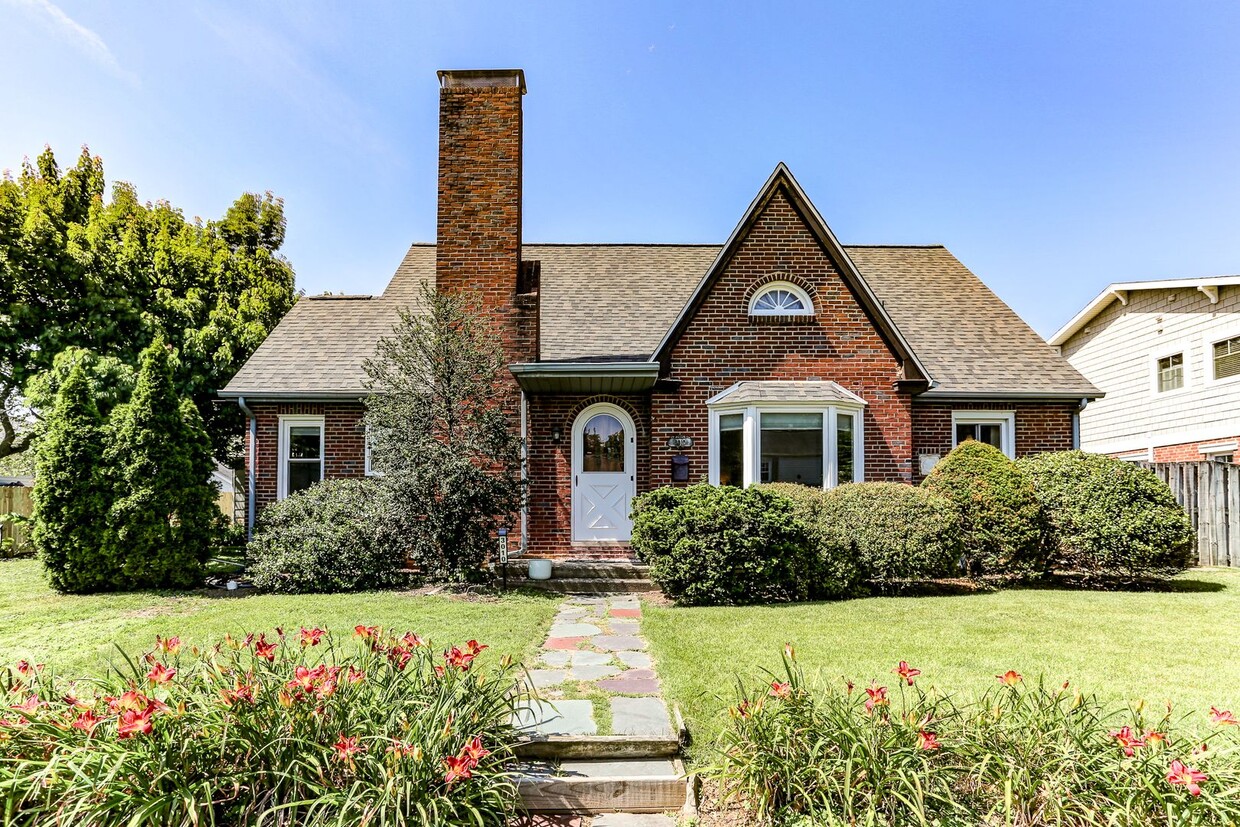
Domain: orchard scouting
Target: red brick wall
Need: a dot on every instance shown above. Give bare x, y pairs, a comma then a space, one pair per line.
1189, 451
550, 466
344, 442
1040, 426
723, 345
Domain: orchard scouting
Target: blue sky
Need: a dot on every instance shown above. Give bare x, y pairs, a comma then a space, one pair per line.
1053, 146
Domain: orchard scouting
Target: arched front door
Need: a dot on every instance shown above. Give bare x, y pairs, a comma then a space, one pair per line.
604, 473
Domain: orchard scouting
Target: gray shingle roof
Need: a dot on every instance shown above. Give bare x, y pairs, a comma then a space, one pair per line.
618, 300
786, 391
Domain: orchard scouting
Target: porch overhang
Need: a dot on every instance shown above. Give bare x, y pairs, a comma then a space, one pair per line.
586, 377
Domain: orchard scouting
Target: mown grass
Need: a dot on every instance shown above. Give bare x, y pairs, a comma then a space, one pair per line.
79, 634
1178, 645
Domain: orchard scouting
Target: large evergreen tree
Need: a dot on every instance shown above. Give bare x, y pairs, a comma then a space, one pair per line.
111, 276
440, 426
163, 518
71, 500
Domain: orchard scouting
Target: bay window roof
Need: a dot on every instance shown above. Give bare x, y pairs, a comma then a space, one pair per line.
786, 391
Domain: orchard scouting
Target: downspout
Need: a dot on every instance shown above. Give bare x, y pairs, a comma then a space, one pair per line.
250, 475
525, 494
1076, 423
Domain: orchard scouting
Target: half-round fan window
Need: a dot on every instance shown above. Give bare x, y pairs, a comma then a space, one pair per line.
781, 299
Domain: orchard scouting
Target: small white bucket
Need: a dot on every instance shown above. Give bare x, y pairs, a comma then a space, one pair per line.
540, 569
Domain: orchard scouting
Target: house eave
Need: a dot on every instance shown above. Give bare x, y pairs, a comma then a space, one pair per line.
579, 377
352, 395
1120, 291
1031, 395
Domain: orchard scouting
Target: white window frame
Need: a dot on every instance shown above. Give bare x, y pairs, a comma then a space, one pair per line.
751, 438
367, 469
289, 421
1171, 349
1006, 420
1208, 342
803, 296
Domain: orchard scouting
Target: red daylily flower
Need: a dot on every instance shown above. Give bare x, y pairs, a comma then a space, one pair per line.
928, 740
1222, 717
1128, 740
781, 690
303, 679
87, 721
160, 674
457, 659
412, 641
29, 706
877, 697
265, 650
23, 666
356, 676
1155, 738
347, 747
366, 632
458, 769
1010, 678
131, 701
906, 672
743, 710
133, 722
1180, 775
399, 750
241, 691
473, 648
474, 750
168, 645
311, 637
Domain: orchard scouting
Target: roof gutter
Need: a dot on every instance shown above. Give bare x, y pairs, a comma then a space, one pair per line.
250, 509
1076, 396
297, 396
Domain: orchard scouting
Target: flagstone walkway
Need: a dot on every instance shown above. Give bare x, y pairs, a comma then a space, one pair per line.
595, 674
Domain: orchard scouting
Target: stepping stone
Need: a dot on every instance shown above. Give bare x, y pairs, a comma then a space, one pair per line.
632, 682
588, 601
558, 658
633, 820
559, 820
617, 643
624, 627
560, 718
543, 678
592, 673
640, 716
573, 630
584, 657
626, 612
635, 660
570, 614
562, 642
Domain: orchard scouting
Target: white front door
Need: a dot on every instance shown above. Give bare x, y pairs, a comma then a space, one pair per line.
604, 473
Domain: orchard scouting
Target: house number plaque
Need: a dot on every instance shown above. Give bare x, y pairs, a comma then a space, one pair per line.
679, 443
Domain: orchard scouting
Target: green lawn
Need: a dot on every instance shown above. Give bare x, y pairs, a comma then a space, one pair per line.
78, 634
1180, 645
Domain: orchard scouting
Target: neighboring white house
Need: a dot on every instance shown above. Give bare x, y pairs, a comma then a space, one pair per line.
1167, 356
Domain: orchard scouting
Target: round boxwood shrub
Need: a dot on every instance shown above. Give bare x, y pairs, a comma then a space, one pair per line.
1000, 517
332, 537
709, 545
894, 531
1109, 517
838, 572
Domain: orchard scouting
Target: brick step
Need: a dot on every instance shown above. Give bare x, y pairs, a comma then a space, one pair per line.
643, 785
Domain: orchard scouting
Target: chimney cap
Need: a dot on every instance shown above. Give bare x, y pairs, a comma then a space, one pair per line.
481, 78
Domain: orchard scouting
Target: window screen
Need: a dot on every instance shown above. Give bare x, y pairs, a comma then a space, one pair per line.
1227, 358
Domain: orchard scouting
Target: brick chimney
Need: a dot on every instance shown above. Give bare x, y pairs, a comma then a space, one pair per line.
478, 233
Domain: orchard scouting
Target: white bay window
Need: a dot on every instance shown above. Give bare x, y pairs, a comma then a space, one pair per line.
802, 432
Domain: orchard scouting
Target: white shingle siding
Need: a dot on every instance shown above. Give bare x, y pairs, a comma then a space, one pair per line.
1117, 349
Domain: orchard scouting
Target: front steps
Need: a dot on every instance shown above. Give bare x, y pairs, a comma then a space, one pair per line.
584, 577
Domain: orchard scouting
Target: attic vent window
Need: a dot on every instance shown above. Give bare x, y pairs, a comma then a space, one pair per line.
781, 298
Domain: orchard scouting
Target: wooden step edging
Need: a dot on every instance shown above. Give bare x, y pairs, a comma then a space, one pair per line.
603, 747
652, 792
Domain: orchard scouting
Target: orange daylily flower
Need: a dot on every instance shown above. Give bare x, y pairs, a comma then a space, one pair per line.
781, 690
877, 697
928, 740
168, 645
265, 650
458, 769
160, 674
906, 672
1155, 738
1180, 775
474, 750
1010, 678
311, 637
1128, 740
347, 747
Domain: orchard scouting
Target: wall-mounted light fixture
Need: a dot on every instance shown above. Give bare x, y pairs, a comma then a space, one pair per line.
556, 435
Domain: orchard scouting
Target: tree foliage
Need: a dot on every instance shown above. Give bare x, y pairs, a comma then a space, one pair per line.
77, 271
439, 419
164, 517
71, 499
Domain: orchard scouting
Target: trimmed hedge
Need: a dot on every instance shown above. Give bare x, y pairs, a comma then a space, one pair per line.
894, 531
1000, 516
709, 545
1109, 517
333, 537
838, 573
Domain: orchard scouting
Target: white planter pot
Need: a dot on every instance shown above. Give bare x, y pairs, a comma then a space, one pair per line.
540, 569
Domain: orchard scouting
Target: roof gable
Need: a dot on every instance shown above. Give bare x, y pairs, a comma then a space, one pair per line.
1119, 291
782, 180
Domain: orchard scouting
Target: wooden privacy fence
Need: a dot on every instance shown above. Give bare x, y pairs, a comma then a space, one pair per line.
15, 500
1210, 493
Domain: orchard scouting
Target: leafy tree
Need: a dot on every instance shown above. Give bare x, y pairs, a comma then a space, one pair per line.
164, 517
111, 380
111, 277
71, 499
440, 424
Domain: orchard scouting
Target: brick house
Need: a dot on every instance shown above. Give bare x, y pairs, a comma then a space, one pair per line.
780, 355
1167, 353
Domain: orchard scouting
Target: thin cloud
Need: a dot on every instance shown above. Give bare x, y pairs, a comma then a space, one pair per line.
85, 40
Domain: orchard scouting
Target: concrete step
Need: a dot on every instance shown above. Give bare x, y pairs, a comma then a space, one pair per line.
585, 569
649, 785
593, 585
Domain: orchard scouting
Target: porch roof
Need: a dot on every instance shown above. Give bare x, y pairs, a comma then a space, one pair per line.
586, 377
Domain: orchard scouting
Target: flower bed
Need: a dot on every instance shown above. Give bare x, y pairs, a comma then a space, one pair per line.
270, 729
1024, 753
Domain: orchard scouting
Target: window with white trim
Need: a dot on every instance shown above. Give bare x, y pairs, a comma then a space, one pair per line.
1226, 358
997, 428
818, 445
781, 298
368, 467
301, 454
1170, 372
